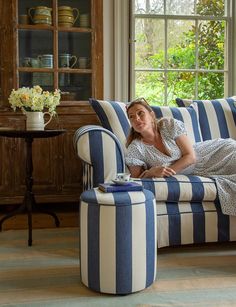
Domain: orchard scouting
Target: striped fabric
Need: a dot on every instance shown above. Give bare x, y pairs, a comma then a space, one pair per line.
181, 188
101, 154
188, 210
187, 115
217, 118
102, 158
112, 115
118, 241
114, 118
87, 176
193, 222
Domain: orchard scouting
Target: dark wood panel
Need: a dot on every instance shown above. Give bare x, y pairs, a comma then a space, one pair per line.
57, 169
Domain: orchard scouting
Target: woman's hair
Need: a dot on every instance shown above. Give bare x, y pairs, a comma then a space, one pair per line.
134, 134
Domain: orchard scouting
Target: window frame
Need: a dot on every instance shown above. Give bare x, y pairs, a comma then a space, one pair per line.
230, 61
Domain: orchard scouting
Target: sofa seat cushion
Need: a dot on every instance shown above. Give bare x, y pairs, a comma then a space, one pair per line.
171, 208
193, 222
113, 116
181, 188
217, 118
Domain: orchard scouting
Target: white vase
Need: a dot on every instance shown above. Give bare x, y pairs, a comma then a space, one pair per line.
35, 120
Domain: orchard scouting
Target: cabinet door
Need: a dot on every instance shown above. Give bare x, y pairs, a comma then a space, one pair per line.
45, 165
6, 165
54, 54
11, 190
59, 46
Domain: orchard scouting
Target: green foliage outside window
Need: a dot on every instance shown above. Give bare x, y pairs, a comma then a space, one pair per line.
210, 84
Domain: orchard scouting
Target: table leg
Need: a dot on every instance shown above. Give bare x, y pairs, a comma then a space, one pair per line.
29, 196
20, 209
57, 222
29, 200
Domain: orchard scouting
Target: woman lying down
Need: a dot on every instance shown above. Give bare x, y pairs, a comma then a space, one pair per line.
161, 148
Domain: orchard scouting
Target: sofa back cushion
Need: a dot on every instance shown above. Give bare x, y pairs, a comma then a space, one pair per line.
217, 118
113, 116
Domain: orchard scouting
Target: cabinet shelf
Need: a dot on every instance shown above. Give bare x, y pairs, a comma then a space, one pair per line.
52, 28
56, 56
51, 70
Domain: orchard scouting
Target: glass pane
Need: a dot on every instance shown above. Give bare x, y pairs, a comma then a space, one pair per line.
210, 7
149, 46
45, 80
180, 84
75, 45
149, 7
35, 48
181, 44
201, 7
211, 44
180, 7
150, 85
210, 85
75, 86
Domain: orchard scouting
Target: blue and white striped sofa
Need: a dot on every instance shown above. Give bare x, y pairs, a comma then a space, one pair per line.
188, 209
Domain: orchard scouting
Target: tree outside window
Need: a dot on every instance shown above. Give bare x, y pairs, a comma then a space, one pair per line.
179, 49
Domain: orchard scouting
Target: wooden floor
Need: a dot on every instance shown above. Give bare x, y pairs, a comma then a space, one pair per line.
41, 220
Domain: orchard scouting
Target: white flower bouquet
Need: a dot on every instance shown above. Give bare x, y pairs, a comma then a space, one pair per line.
34, 99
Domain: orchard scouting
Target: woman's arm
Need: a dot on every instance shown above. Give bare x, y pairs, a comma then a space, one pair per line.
188, 154
188, 158
135, 170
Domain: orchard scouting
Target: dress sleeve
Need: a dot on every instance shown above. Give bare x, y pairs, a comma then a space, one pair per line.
134, 156
173, 127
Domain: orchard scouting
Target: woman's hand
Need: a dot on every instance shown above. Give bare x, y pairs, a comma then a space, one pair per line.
158, 171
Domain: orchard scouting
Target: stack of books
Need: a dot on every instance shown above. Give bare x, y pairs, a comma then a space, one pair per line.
114, 187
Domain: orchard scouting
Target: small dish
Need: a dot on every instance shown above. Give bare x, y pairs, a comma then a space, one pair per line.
121, 182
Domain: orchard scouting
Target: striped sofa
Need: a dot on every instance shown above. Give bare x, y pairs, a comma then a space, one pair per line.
188, 209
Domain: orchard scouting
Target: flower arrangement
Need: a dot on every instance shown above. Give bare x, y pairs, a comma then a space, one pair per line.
34, 99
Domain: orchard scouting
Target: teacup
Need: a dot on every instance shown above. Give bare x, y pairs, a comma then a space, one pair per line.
35, 62
83, 62
123, 177
46, 60
67, 60
26, 62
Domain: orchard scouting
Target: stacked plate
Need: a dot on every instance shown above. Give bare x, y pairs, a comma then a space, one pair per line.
41, 19
67, 16
84, 21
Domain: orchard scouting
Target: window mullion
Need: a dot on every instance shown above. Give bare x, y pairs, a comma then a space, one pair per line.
196, 56
166, 58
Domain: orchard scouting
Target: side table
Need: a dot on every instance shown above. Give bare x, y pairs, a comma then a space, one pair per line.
29, 200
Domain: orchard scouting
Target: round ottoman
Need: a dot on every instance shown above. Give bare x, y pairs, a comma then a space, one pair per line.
118, 243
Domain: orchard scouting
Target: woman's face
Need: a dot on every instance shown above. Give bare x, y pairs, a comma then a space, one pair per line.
140, 118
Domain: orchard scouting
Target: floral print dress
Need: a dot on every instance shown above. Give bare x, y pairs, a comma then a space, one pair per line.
214, 158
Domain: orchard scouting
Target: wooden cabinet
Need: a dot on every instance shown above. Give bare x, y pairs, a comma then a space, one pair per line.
56, 51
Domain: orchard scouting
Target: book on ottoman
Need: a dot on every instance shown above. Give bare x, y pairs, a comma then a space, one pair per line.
114, 187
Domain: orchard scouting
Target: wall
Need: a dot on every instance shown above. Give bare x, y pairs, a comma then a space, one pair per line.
108, 47
116, 49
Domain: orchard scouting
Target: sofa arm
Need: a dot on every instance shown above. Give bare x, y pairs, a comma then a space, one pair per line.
101, 154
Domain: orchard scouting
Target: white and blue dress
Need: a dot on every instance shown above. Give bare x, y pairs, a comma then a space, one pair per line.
214, 158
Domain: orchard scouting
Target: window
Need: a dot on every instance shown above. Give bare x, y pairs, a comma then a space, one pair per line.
179, 48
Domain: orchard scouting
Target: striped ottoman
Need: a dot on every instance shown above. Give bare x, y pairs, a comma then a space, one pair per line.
118, 244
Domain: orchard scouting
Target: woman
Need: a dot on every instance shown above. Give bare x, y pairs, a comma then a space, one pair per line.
161, 148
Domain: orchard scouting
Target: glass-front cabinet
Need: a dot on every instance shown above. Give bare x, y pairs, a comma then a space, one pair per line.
54, 44
58, 45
